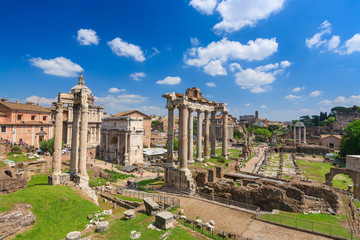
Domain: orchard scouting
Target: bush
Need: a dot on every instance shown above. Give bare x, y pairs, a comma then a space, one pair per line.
16, 149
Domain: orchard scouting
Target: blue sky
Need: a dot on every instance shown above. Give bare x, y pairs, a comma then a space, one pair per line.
285, 58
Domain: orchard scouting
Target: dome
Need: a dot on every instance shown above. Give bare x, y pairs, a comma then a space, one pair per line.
81, 87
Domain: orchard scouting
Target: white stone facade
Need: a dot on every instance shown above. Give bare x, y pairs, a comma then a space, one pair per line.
122, 140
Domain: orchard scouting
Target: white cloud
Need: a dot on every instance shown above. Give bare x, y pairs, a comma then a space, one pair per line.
342, 101
316, 40
292, 97
237, 14
334, 42
59, 66
210, 84
170, 81
87, 37
235, 66
194, 42
115, 90
42, 100
263, 106
297, 89
353, 44
125, 49
315, 93
214, 68
137, 75
213, 56
153, 110
258, 79
204, 6
247, 104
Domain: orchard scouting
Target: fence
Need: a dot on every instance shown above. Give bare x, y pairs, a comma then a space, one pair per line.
324, 229
229, 202
210, 232
169, 201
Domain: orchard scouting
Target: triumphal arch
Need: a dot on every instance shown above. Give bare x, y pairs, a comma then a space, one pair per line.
191, 102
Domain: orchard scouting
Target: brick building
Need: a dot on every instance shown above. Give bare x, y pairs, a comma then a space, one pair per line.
27, 124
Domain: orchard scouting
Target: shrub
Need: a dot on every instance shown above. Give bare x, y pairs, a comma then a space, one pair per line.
16, 149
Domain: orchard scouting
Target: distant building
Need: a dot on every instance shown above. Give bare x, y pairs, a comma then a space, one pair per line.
146, 123
343, 117
27, 124
122, 139
331, 141
249, 119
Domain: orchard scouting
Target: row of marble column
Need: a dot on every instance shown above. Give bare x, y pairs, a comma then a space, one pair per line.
186, 131
79, 140
299, 137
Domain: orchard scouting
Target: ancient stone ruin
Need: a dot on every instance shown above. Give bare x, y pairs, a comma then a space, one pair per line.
193, 101
80, 97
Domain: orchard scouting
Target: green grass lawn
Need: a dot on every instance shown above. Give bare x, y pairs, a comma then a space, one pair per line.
41, 179
2, 164
120, 229
317, 170
20, 158
98, 182
129, 198
313, 222
58, 210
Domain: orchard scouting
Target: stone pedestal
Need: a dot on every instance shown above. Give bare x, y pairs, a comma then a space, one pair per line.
164, 220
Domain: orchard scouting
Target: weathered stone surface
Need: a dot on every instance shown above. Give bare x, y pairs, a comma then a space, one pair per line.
73, 235
212, 222
102, 226
13, 221
90, 216
151, 206
164, 220
129, 214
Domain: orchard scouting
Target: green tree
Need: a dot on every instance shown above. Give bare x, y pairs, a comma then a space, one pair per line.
273, 128
48, 146
237, 134
156, 125
350, 144
16, 149
176, 144
262, 134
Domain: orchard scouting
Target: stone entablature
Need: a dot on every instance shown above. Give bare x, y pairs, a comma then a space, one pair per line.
122, 140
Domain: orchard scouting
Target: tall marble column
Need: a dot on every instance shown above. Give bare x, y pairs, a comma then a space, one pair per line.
207, 136
295, 134
83, 139
170, 136
56, 164
225, 134
191, 136
126, 154
213, 135
199, 137
305, 135
299, 135
183, 151
75, 140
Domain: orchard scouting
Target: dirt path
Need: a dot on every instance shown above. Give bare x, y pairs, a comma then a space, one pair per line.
251, 165
239, 222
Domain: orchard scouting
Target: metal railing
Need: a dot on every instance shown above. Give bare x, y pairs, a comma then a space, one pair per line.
210, 232
169, 201
325, 229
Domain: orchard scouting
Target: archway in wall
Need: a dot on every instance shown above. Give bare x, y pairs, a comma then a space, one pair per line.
113, 146
342, 181
21, 141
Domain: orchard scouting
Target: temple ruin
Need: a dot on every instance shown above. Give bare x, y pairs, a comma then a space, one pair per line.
79, 98
192, 101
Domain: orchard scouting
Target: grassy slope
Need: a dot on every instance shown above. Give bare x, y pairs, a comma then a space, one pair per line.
120, 229
58, 210
20, 158
41, 179
316, 171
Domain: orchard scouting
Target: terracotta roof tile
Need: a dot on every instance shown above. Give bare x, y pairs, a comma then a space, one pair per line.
25, 107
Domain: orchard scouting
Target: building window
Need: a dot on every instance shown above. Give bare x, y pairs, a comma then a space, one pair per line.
33, 117
3, 129
44, 118
19, 117
41, 129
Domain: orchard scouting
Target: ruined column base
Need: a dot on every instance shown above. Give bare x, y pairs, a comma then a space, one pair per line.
180, 179
199, 159
213, 156
58, 179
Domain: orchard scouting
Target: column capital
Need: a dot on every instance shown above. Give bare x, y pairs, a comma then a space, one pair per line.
59, 106
206, 112
190, 109
170, 107
225, 112
199, 110
182, 106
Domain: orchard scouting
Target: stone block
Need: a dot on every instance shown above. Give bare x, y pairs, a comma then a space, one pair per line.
90, 216
73, 235
102, 226
151, 206
212, 222
129, 214
164, 220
